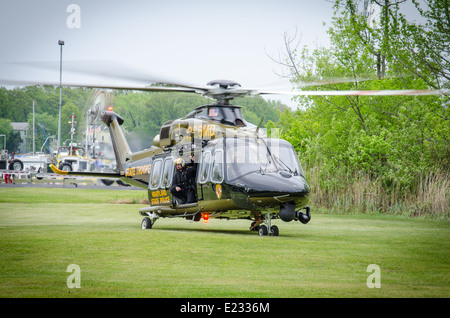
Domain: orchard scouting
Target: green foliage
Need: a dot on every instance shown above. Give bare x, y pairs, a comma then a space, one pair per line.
256, 108
147, 112
5, 128
144, 113
46, 126
13, 139
393, 141
16, 105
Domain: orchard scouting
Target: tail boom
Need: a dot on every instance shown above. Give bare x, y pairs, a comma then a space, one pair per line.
120, 144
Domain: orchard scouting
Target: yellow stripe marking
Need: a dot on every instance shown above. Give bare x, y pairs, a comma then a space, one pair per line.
56, 170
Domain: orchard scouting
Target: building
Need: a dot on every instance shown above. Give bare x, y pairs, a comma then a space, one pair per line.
22, 129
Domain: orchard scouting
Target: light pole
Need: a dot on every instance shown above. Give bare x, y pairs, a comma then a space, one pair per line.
60, 43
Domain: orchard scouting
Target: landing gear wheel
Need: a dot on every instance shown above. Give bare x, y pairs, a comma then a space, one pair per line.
275, 231
107, 182
65, 167
262, 231
146, 223
264, 227
16, 165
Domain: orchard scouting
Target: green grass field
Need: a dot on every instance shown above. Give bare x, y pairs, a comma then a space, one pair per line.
43, 231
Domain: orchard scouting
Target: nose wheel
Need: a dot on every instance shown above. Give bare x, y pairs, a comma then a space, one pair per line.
263, 230
264, 227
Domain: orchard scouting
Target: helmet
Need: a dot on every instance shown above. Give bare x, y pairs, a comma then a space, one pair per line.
179, 161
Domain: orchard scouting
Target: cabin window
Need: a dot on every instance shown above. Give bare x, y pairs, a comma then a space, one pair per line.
217, 168
205, 167
167, 173
156, 174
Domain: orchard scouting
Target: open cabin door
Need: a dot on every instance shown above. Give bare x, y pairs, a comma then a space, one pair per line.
160, 181
210, 172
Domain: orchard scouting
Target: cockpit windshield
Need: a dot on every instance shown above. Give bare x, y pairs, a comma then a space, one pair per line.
284, 156
246, 155
230, 115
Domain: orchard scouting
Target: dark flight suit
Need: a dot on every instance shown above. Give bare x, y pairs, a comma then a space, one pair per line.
185, 179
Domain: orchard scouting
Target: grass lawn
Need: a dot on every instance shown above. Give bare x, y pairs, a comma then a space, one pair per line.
43, 231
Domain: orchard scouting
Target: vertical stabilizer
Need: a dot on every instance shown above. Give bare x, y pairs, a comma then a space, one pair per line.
120, 144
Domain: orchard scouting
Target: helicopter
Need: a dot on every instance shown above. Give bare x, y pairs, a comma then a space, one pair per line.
241, 173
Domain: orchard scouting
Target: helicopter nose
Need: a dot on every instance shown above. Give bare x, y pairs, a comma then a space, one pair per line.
278, 185
271, 190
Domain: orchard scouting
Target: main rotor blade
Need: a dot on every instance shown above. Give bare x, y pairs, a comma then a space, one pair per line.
104, 86
110, 70
135, 88
410, 92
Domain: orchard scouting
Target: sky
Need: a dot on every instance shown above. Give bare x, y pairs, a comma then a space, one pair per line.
184, 41
192, 41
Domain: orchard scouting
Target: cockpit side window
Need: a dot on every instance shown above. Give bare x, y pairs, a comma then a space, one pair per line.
167, 173
213, 112
156, 173
205, 167
217, 168
230, 115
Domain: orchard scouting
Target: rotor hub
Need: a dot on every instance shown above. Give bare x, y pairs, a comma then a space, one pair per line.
226, 84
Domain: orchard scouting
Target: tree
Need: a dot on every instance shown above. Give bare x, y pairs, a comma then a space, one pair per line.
420, 49
428, 43
45, 126
13, 138
256, 108
145, 113
391, 138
